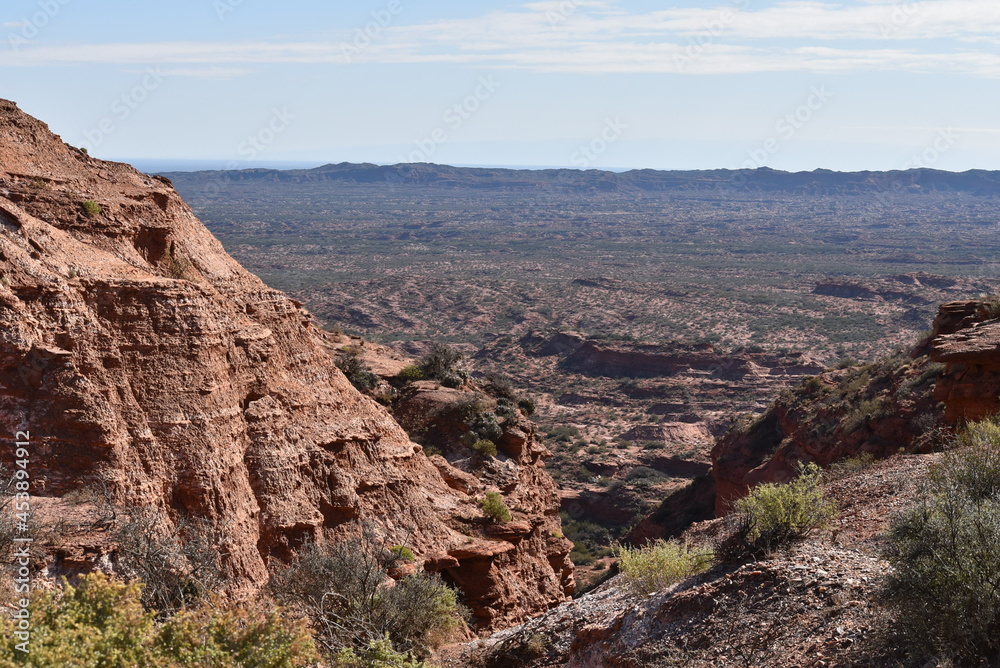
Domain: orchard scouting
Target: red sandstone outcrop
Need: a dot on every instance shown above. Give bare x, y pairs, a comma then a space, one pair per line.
966, 338
136, 351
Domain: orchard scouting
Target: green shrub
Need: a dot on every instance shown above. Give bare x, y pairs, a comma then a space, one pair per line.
773, 515
849, 466
944, 587
403, 553
378, 654
354, 367
343, 588
101, 622
527, 405
485, 447
411, 372
494, 507
989, 307
500, 386
92, 208
442, 364
658, 565
242, 634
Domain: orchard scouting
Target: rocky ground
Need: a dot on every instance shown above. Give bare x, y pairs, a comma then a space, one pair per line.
814, 604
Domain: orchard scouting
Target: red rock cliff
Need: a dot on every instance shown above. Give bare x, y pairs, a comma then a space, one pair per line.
135, 349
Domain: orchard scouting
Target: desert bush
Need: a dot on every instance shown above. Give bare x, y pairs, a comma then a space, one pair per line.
493, 507
248, 633
527, 405
660, 564
506, 410
773, 514
944, 587
403, 553
500, 386
485, 427
485, 447
101, 622
354, 367
443, 364
177, 567
411, 372
378, 654
344, 589
92, 208
849, 466
989, 307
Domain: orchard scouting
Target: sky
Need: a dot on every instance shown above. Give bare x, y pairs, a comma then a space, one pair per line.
590, 84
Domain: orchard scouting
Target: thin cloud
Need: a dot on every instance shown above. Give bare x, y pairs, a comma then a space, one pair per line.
596, 36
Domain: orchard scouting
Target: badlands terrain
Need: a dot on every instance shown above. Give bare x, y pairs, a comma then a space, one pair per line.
644, 312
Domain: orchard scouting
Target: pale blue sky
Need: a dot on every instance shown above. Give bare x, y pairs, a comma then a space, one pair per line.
584, 83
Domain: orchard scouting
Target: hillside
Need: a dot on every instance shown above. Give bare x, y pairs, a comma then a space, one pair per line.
642, 311
157, 376
817, 602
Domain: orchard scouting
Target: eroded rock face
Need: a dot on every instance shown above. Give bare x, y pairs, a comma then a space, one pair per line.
966, 338
878, 409
137, 351
519, 564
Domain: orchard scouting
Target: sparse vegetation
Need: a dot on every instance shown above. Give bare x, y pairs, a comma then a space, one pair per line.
443, 364
494, 508
101, 622
342, 588
656, 566
945, 583
485, 447
411, 372
354, 367
92, 208
849, 466
773, 515
177, 567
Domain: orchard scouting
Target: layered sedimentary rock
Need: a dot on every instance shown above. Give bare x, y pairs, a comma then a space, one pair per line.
139, 354
966, 338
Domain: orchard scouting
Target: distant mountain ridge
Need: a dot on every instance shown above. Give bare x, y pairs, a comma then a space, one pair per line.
763, 179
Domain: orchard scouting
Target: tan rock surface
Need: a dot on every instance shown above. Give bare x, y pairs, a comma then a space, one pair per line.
137, 351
